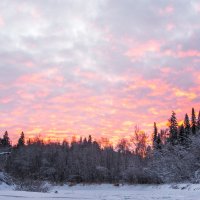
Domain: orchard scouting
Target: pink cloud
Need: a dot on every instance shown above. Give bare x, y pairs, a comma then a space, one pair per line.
188, 53
5, 100
116, 70
167, 10
112, 114
196, 7
139, 50
179, 53
170, 27
1, 21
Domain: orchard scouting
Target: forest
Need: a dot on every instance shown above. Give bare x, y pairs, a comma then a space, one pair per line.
168, 155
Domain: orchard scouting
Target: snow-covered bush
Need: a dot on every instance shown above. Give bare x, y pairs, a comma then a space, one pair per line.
32, 186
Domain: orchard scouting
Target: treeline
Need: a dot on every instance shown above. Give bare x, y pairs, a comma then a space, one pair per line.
80, 161
177, 134
173, 155
176, 150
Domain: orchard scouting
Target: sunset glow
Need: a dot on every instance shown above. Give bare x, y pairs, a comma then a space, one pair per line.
75, 68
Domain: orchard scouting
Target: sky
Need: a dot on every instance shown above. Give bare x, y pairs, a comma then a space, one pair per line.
100, 67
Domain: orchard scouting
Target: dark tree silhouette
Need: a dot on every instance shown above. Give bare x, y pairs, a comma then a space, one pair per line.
21, 141
155, 135
198, 123
173, 158
5, 141
173, 129
193, 122
158, 143
182, 137
187, 125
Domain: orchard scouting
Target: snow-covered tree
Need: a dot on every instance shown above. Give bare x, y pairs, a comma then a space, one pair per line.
173, 129
187, 125
198, 123
193, 122
155, 135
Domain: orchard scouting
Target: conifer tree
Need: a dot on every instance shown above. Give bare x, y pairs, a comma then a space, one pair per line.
29, 141
187, 125
164, 135
173, 129
21, 141
5, 140
85, 142
80, 140
182, 137
193, 122
198, 123
158, 144
90, 139
155, 135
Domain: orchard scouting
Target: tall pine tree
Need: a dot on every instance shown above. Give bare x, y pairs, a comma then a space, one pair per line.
198, 123
155, 135
5, 142
187, 125
182, 137
21, 141
158, 142
193, 122
173, 129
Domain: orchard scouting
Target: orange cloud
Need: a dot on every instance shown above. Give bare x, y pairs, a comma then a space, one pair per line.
181, 93
98, 73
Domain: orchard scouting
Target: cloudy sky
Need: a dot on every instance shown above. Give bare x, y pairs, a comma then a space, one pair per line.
77, 67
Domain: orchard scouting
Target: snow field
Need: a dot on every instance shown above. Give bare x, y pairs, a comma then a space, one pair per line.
108, 192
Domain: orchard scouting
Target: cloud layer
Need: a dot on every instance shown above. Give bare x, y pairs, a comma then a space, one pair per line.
96, 67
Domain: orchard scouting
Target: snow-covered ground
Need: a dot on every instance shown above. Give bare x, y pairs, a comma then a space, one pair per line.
108, 192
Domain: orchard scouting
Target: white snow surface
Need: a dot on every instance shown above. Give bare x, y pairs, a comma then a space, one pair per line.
108, 192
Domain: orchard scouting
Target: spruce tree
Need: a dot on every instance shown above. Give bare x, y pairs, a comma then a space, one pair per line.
173, 129
90, 139
158, 143
193, 122
198, 123
5, 140
155, 135
187, 125
21, 141
80, 140
182, 137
